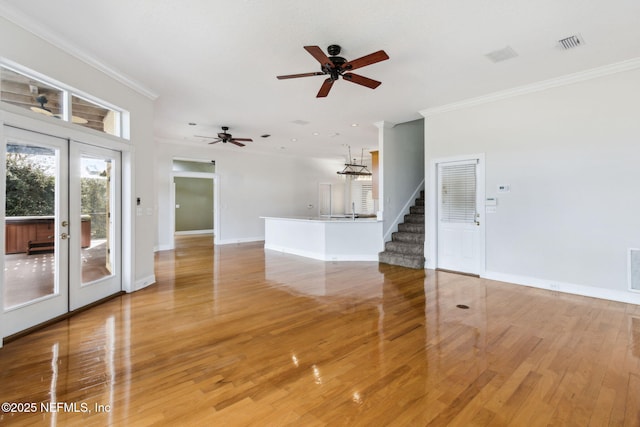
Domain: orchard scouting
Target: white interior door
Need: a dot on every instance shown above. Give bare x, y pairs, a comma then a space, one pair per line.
95, 226
35, 251
459, 217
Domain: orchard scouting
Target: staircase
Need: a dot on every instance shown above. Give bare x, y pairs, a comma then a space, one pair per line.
406, 247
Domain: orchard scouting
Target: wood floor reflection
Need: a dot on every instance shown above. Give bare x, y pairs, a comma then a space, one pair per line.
238, 336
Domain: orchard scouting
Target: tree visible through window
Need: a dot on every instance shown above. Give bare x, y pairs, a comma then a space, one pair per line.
95, 204
30, 187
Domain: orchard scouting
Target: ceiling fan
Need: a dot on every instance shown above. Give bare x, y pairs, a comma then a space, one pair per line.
335, 66
226, 137
42, 100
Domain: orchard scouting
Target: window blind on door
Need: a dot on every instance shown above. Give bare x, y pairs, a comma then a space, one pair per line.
458, 190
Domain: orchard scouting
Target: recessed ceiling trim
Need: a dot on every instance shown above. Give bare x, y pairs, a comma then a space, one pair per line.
618, 67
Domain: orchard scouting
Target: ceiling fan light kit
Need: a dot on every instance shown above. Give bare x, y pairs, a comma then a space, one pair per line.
335, 66
41, 99
225, 137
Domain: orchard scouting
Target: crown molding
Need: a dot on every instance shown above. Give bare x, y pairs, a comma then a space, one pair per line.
28, 24
618, 67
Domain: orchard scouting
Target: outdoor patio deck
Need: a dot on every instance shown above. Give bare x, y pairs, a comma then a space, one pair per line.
28, 277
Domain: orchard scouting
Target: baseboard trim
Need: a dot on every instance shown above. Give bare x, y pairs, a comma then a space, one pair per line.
217, 242
462, 273
190, 232
564, 287
144, 282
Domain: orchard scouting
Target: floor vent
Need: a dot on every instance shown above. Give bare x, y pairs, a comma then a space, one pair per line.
571, 42
634, 269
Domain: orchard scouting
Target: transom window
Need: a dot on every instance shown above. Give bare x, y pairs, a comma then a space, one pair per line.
28, 90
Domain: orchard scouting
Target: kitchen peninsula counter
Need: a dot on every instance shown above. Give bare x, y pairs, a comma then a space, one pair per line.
324, 238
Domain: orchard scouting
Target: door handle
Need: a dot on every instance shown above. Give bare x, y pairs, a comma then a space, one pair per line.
64, 223
64, 236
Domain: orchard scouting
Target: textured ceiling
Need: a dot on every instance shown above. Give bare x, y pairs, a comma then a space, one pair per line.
214, 62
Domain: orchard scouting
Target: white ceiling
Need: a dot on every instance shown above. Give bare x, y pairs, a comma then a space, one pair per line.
214, 62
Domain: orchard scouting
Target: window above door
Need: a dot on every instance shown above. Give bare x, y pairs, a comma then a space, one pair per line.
32, 91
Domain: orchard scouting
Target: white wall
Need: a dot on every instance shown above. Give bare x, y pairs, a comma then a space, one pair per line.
571, 155
26, 49
250, 186
401, 169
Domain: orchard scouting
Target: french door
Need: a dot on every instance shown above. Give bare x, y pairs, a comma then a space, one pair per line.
62, 227
94, 205
36, 249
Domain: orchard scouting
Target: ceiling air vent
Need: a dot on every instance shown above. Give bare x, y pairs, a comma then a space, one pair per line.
571, 42
502, 54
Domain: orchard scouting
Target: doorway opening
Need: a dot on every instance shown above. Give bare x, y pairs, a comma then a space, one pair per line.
194, 205
194, 198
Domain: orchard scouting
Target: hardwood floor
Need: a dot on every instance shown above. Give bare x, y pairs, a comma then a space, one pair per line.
236, 336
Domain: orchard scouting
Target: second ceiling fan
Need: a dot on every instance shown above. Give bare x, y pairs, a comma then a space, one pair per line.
227, 137
335, 66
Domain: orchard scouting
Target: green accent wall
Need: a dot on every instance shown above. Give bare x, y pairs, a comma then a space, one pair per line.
194, 196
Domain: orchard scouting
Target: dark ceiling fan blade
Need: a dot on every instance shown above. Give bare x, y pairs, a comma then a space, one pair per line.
239, 144
317, 53
295, 76
361, 80
325, 88
209, 137
372, 58
242, 139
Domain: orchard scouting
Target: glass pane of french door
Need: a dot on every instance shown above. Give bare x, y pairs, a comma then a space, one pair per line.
95, 206
35, 253
95, 225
